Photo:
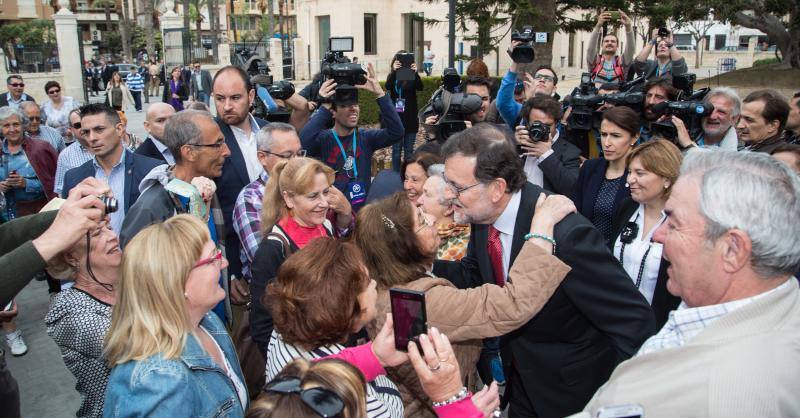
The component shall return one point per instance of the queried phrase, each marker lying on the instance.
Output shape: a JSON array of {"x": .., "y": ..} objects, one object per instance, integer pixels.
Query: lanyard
[
  {"x": 398, "y": 90},
  {"x": 344, "y": 154}
]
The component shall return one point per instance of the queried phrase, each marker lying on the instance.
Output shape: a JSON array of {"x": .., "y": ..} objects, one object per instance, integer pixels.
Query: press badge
[
  {"x": 356, "y": 192},
  {"x": 400, "y": 105}
]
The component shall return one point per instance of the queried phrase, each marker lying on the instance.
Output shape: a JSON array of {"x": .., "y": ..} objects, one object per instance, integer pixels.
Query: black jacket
[
  {"x": 663, "y": 301},
  {"x": 595, "y": 319},
  {"x": 149, "y": 149},
  {"x": 408, "y": 91},
  {"x": 4, "y": 98},
  {"x": 183, "y": 91},
  {"x": 586, "y": 189},
  {"x": 561, "y": 168}
]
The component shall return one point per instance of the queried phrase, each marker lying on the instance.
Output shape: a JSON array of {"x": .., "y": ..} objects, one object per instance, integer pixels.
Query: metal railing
[{"x": 33, "y": 59}]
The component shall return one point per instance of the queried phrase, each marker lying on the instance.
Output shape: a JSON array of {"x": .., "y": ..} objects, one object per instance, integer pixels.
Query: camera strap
[
  {"x": 446, "y": 98},
  {"x": 344, "y": 154}
]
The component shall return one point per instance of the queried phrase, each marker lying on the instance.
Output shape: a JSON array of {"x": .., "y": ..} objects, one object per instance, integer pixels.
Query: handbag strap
[{"x": 287, "y": 249}]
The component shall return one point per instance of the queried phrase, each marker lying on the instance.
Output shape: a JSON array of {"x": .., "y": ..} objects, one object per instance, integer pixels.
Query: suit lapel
[
  {"x": 237, "y": 158},
  {"x": 128, "y": 179},
  {"x": 481, "y": 234}
]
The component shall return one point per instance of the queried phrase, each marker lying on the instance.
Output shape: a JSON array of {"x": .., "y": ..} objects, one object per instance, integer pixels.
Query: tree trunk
[
  {"x": 270, "y": 18},
  {"x": 788, "y": 43},
  {"x": 198, "y": 24},
  {"x": 213, "y": 17},
  {"x": 125, "y": 29},
  {"x": 149, "y": 29},
  {"x": 544, "y": 21},
  {"x": 186, "y": 24}
]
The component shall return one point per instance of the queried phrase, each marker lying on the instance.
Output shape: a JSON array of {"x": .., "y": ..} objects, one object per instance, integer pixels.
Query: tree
[
  {"x": 195, "y": 12},
  {"x": 149, "y": 28},
  {"x": 779, "y": 19},
  {"x": 124, "y": 28},
  {"x": 697, "y": 19},
  {"x": 267, "y": 8}
]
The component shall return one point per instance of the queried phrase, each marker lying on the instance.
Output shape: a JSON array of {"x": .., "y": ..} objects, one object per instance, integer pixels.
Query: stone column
[
  {"x": 173, "y": 41},
  {"x": 68, "y": 45},
  {"x": 276, "y": 59},
  {"x": 300, "y": 60},
  {"x": 3, "y": 61}
]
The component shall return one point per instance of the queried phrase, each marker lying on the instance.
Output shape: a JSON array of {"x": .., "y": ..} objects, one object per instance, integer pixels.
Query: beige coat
[
  {"x": 469, "y": 315},
  {"x": 127, "y": 98}
]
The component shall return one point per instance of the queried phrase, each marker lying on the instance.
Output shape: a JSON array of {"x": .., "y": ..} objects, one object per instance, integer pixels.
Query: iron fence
[{"x": 32, "y": 58}]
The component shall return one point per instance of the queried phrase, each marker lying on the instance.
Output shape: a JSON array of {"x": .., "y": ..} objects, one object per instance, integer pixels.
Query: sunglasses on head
[{"x": 323, "y": 402}]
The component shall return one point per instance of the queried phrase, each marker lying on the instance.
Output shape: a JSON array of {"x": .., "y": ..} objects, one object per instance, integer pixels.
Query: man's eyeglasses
[
  {"x": 215, "y": 259},
  {"x": 544, "y": 77},
  {"x": 216, "y": 145},
  {"x": 16, "y": 84},
  {"x": 458, "y": 190},
  {"x": 76, "y": 125},
  {"x": 36, "y": 118},
  {"x": 288, "y": 155},
  {"x": 324, "y": 402},
  {"x": 54, "y": 91}
]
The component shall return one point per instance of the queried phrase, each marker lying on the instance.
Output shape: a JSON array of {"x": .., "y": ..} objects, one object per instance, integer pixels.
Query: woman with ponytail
[{"x": 299, "y": 206}]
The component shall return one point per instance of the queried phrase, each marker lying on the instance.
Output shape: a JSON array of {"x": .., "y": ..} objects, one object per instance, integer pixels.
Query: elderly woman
[
  {"x": 79, "y": 317},
  {"x": 399, "y": 242},
  {"x": 415, "y": 172},
  {"x": 321, "y": 296},
  {"x": 653, "y": 168},
  {"x": 299, "y": 206},
  {"x": 171, "y": 355},
  {"x": 601, "y": 182},
  {"x": 453, "y": 236},
  {"x": 55, "y": 110}
]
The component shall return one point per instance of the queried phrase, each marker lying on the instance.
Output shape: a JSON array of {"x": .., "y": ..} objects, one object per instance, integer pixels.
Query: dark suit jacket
[
  {"x": 149, "y": 149},
  {"x": 561, "y": 168},
  {"x": 205, "y": 79},
  {"x": 233, "y": 179},
  {"x": 590, "y": 179},
  {"x": 4, "y": 98},
  {"x": 107, "y": 72},
  {"x": 136, "y": 168},
  {"x": 595, "y": 319},
  {"x": 663, "y": 301}
]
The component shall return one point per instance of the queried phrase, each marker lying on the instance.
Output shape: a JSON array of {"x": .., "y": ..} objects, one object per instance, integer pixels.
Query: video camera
[
  {"x": 346, "y": 75},
  {"x": 585, "y": 101},
  {"x": 261, "y": 81},
  {"x": 689, "y": 107},
  {"x": 523, "y": 53},
  {"x": 452, "y": 106}
]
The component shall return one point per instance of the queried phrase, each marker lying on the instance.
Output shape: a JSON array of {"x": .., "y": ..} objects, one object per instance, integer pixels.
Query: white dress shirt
[
  {"x": 505, "y": 225},
  {"x": 532, "y": 170},
  {"x": 634, "y": 255},
  {"x": 247, "y": 143}
]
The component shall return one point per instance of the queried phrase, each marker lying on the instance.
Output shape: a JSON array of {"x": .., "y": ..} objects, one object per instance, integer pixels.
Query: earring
[
  {"x": 627, "y": 185},
  {"x": 186, "y": 295}
]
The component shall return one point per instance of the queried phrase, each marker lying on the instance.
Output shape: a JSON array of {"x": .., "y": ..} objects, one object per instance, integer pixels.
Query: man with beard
[
  {"x": 233, "y": 95},
  {"x": 764, "y": 116},
  {"x": 718, "y": 127},
  {"x": 607, "y": 66},
  {"x": 656, "y": 91},
  {"x": 347, "y": 148}
]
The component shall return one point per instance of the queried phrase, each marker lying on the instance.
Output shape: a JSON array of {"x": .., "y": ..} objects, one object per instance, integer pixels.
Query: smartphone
[
  {"x": 614, "y": 15},
  {"x": 12, "y": 173},
  {"x": 409, "y": 316},
  {"x": 621, "y": 411}
]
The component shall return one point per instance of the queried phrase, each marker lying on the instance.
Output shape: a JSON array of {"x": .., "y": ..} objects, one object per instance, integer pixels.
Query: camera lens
[{"x": 109, "y": 203}]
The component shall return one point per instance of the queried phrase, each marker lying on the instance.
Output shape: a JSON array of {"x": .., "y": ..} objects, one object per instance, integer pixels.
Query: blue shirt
[
  {"x": 506, "y": 105},
  {"x": 19, "y": 161},
  {"x": 116, "y": 181}
]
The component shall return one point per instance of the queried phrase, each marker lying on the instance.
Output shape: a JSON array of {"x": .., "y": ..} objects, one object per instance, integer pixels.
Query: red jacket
[{"x": 43, "y": 159}]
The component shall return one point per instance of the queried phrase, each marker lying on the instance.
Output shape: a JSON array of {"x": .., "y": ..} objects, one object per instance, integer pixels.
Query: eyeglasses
[
  {"x": 216, "y": 145},
  {"x": 215, "y": 259},
  {"x": 54, "y": 91},
  {"x": 36, "y": 118},
  {"x": 16, "y": 84},
  {"x": 288, "y": 155},
  {"x": 76, "y": 125},
  {"x": 544, "y": 77},
  {"x": 458, "y": 190},
  {"x": 324, "y": 402}
]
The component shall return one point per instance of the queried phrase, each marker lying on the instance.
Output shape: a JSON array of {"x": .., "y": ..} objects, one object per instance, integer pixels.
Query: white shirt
[
  {"x": 247, "y": 143},
  {"x": 198, "y": 80},
  {"x": 237, "y": 382},
  {"x": 729, "y": 142},
  {"x": 164, "y": 151},
  {"x": 634, "y": 253},
  {"x": 686, "y": 323},
  {"x": 532, "y": 170},
  {"x": 505, "y": 224}
]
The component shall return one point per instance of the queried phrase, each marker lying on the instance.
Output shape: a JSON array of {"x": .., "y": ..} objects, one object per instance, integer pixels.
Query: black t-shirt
[{"x": 408, "y": 91}]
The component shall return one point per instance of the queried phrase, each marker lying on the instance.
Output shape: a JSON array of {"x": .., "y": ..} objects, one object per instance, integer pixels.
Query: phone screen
[{"x": 408, "y": 314}]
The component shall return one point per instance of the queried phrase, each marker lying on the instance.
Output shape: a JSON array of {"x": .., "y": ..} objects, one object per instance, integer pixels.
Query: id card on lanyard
[
  {"x": 356, "y": 190},
  {"x": 400, "y": 104}
]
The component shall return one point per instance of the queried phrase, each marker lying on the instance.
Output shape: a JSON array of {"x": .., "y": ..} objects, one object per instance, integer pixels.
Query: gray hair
[
  {"x": 181, "y": 129},
  {"x": 755, "y": 193},
  {"x": 729, "y": 94},
  {"x": 8, "y": 111},
  {"x": 25, "y": 105},
  {"x": 264, "y": 138},
  {"x": 437, "y": 170}
]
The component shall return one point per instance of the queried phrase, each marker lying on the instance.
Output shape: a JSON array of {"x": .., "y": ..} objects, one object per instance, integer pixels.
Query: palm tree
[
  {"x": 149, "y": 28},
  {"x": 267, "y": 8},
  {"x": 198, "y": 18}
]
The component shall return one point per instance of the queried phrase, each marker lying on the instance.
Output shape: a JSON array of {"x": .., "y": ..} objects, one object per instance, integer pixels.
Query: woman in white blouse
[
  {"x": 56, "y": 109},
  {"x": 653, "y": 168}
]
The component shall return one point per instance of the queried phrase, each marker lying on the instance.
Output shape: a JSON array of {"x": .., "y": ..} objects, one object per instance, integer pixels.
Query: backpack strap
[{"x": 285, "y": 247}]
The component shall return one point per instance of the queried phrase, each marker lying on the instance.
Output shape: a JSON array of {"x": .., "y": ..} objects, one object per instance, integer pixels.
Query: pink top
[{"x": 365, "y": 360}]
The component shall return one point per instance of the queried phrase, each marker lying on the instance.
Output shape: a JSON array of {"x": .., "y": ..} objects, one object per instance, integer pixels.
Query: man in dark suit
[
  {"x": 200, "y": 84},
  {"x": 596, "y": 318},
  {"x": 155, "y": 120},
  {"x": 233, "y": 96},
  {"x": 106, "y": 71},
  {"x": 16, "y": 92},
  {"x": 551, "y": 161},
  {"x": 121, "y": 169}
]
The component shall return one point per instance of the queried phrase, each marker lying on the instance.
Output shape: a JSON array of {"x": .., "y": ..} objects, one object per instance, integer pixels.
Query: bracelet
[
  {"x": 461, "y": 395},
  {"x": 540, "y": 236}
]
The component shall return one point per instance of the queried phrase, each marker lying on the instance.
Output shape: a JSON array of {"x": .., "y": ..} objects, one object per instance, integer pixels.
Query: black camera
[
  {"x": 346, "y": 73},
  {"x": 109, "y": 203},
  {"x": 585, "y": 101},
  {"x": 537, "y": 132},
  {"x": 523, "y": 53},
  {"x": 454, "y": 113},
  {"x": 451, "y": 80},
  {"x": 281, "y": 90},
  {"x": 690, "y": 112},
  {"x": 663, "y": 32}
]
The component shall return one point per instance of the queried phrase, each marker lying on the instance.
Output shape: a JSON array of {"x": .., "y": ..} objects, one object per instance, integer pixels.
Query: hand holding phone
[{"x": 409, "y": 316}]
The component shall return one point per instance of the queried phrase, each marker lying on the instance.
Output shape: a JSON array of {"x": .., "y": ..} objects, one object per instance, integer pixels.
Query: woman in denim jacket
[{"x": 171, "y": 356}]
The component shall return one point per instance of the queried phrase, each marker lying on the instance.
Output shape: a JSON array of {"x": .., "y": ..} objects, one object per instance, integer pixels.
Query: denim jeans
[
  {"x": 203, "y": 97},
  {"x": 407, "y": 147}
]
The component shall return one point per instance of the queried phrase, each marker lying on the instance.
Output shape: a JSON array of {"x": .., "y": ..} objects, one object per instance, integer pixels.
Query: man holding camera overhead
[
  {"x": 607, "y": 66},
  {"x": 346, "y": 148},
  {"x": 668, "y": 60}
]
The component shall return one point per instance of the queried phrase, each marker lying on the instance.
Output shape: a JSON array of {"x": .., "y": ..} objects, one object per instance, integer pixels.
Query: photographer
[
  {"x": 656, "y": 91},
  {"x": 549, "y": 162},
  {"x": 346, "y": 148},
  {"x": 311, "y": 91},
  {"x": 404, "y": 97},
  {"x": 668, "y": 59},
  {"x": 542, "y": 83},
  {"x": 472, "y": 86},
  {"x": 607, "y": 66}
]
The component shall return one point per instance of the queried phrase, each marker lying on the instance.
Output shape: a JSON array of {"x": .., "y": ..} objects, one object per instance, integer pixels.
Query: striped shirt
[
  {"x": 383, "y": 398},
  {"x": 51, "y": 136},
  {"x": 72, "y": 156},
  {"x": 135, "y": 82}
]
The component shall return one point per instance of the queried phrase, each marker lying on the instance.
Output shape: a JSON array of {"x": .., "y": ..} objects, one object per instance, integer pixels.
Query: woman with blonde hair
[
  {"x": 299, "y": 205},
  {"x": 171, "y": 355}
]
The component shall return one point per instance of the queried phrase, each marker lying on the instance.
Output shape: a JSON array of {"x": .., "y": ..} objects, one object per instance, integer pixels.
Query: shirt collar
[
  {"x": 121, "y": 161},
  {"x": 253, "y": 126},
  {"x": 684, "y": 314},
  {"x": 505, "y": 223}
]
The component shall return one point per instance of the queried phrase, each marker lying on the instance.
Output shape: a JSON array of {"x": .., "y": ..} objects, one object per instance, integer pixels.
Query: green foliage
[
  {"x": 113, "y": 40},
  {"x": 140, "y": 39},
  {"x": 34, "y": 32},
  {"x": 765, "y": 61}
]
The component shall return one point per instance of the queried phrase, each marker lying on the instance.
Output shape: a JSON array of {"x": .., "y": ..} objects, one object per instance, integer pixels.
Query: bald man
[{"x": 155, "y": 120}]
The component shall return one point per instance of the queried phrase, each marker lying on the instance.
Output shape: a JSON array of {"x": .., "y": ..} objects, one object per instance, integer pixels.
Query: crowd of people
[{"x": 231, "y": 266}]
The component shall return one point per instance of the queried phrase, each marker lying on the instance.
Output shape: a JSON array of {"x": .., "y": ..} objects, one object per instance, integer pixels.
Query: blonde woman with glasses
[{"x": 172, "y": 356}]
